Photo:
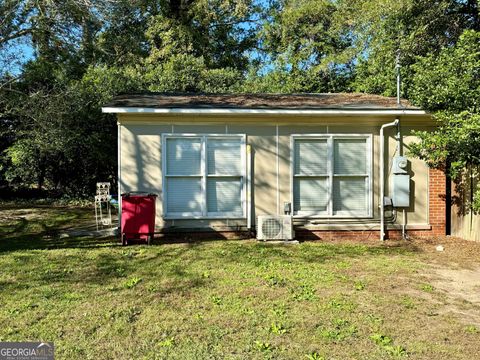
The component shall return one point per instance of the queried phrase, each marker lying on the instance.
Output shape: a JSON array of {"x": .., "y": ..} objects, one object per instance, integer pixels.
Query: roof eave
[{"x": 260, "y": 111}]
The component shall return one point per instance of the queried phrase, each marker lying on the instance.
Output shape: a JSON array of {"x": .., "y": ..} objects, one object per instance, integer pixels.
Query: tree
[
  {"x": 378, "y": 29},
  {"x": 449, "y": 85},
  {"x": 298, "y": 41}
]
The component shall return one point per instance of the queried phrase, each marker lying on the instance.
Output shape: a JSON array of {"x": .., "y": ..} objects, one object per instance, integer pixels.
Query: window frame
[
  {"x": 329, "y": 213},
  {"x": 204, "y": 175}
]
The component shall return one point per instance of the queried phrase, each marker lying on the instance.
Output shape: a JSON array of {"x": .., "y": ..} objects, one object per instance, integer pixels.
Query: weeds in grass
[
  {"x": 314, "y": 356},
  {"x": 127, "y": 315},
  {"x": 132, "y": 282},
  {"x": 279, "y": 310},
  {"x": 472, "y": 329},
  {"x": 217, "y": 300},
  {"x": 263, "y": 346},
  {"x": 304, "y": 292},
  {"x": 341, "y": 303},
  {"x": 340, "y": 330},
  {"x": 167, "y": 343},
  {"x": 360, "y": 285},
  {"x": 71, "y": 296},
  {"x": 277, "y": 328},
  {"x": 152, "y": 288},
  {"x": 386, "y": 343},
  {"x": 275, "y": 280},
  {"x": 408, "y": 302},
  {"x": 427, "y": 288}
]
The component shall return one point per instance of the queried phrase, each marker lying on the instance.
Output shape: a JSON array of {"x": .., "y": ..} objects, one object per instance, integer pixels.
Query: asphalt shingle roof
[{"x": 344, "y": 101}]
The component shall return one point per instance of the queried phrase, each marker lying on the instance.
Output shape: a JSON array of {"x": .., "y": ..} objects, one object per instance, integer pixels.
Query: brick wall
[{"x": 437, "y": 203}]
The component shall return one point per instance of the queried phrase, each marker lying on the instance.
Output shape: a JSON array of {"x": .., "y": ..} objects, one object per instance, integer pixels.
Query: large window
[
  {"x": 204, "y": 176},
  {"x": 332, "y": 175}
]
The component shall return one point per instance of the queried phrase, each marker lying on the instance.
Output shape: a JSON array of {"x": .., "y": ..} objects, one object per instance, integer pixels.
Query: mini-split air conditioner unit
[{"x": 275, "y": 227}]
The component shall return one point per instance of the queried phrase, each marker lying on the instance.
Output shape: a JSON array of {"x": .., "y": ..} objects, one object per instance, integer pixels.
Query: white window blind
[
  {"x": 311, "y": 195},
  {"x": 332, "y": 175},
  {"x": 183, "y": 156},
  {"x": 349, "y": 196},
  {"x": 223, "y": 157},
  {"x": 204, "y": 175},
  {"x": 310, "y": 157},
  {"x": 224, "y": 195},
  {"x": 310, "y": 186},
  {"x": 350, "y": 156},
  {"x": 184, "y": 195}
]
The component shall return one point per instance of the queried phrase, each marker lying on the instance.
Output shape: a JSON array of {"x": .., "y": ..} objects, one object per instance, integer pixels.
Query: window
[
  {"x": 332, "y": 175},
  {"x": 204, "y": 176}
]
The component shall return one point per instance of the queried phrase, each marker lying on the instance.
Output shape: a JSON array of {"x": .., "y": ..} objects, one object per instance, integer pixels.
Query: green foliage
[
  {"x": 339, "y": 330},
  {"x": 472, "y": 329},
  {"x": 132, "y": 282},
  {"x": 450, "y": 80},
  {"x": 378, "y": 29},
  {"x": 448, "y": 84},
  {"x": 386, "y": 343},
  {"x": 314, "y": 356},
  {"x": 186, "y": 73},
  {"x": 427, "y": 288},
  {"x": 277, "y": 329},
  {"x": 263, "y": 346},
  {"x": 301, "y": 43},
  {"x": 304, "y": 292}
]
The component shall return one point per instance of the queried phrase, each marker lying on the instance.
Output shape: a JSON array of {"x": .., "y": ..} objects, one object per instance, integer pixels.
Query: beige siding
[{"x": 142, "y": 170}]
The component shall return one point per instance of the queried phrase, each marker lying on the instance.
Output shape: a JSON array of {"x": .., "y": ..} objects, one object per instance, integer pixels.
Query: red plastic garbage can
[{"x": 138, "y": 217}]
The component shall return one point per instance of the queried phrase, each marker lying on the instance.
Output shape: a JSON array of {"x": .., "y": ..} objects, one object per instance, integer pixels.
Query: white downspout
[
  {"x": 249, "y": 187},
  {"x": 382, "y": 177},
  {"x": 119, "y": 178}
]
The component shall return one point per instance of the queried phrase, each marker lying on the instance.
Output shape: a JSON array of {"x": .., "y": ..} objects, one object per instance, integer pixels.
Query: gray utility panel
[{"x": 400, "y": 182}]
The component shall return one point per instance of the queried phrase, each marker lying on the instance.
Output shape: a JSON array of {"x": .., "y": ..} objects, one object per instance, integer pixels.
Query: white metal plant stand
[{"x": 103, "y": 211}]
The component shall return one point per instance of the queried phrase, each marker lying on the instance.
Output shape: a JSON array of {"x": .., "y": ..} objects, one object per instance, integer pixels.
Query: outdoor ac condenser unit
[{"x": 275, "y": 227}]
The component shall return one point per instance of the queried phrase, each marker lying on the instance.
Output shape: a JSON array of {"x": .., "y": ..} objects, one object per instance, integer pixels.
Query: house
[{"x": 217, "y": 162}]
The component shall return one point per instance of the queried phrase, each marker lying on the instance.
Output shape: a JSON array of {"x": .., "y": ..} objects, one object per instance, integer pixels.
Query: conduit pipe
[{"x": 382, "y": 177}]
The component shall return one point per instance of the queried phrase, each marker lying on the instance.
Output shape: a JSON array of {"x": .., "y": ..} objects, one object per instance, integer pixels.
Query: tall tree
[
  {"x": 299, "y": 41},
  {"x": 379, "y": 29},
  {"x": 448, "y": 84}
]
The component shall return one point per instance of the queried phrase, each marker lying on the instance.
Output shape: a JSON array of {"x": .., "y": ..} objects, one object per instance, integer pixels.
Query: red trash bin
[{"x": 138, "y": 217}]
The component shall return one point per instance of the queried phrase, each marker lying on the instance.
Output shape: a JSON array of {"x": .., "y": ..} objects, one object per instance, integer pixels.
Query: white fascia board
[{"x": 222, "y": 111}]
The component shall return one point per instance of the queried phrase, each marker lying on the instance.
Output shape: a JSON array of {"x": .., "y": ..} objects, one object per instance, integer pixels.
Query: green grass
[{"x": 217, "y": 300}]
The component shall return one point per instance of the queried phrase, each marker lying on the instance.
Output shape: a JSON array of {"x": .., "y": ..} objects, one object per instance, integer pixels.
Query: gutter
[{"x": 226, "y": 111}]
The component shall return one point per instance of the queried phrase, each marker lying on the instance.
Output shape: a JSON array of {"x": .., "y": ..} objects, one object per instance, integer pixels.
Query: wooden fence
[{"x": 465, "y": 223}]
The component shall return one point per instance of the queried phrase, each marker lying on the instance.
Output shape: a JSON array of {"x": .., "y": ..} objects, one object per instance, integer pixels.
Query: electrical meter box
[
  {"x": 400, "y": 182},
  {"x": 400, "y": 164}
]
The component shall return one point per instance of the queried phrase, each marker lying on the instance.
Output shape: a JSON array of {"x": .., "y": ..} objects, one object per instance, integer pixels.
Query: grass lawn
[{"x": 230, "y": 299}]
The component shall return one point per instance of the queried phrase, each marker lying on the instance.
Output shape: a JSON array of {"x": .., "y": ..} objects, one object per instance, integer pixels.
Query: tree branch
[{"x": 15, "y": 35}]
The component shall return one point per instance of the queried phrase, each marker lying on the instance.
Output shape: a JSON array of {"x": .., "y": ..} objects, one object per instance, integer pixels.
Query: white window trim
[
  {"x": 330, "y": 174},
  {"x": 204, "y": 215}
]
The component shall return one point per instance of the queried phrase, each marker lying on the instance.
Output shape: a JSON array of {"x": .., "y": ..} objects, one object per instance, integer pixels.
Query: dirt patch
[
  {"x": 456, "y": 291},
  {"x": 460, "y": 283}
]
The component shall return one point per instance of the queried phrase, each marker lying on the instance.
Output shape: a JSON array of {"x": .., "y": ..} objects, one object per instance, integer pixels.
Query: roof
[{"x": 340, "y": 101}]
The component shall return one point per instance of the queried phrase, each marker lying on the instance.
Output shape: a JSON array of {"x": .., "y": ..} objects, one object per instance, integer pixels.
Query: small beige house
[{"x": 218, "y": 162}]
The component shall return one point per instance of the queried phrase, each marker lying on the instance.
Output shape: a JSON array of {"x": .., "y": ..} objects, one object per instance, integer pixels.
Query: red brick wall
[{"x": 437, "y": 203}]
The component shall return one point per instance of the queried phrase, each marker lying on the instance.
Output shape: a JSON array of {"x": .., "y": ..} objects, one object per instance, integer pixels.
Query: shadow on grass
[{"x": 42, "y": 228}]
